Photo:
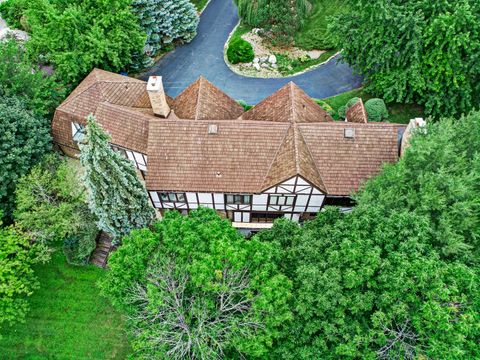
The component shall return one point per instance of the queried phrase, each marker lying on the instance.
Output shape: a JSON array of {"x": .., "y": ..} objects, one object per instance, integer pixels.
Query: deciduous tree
[
  {"x": 195, "y": 288},
  {"x": 415, "y": 51}
]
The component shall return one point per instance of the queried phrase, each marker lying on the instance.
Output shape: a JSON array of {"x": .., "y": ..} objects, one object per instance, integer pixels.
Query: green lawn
[
  {"x": 313, "y": 33},
  {"x": 68, "y": 319},
  {"x": 398, "y": 113},
  {"x": 200, "y": 4}
]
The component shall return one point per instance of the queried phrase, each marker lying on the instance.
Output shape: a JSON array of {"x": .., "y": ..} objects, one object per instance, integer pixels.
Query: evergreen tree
[
  {"x": 165, "y": 21},
  {"x": 116, "y": 195},
  {"x": 24, "y": 139}
]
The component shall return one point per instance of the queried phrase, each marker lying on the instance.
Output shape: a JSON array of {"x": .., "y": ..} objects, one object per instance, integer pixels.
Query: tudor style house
[{"x": 285, "y": 157}]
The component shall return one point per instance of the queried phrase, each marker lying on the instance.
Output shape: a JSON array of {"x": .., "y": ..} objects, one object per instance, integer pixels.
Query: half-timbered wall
[{"x": 289, "y": 199}]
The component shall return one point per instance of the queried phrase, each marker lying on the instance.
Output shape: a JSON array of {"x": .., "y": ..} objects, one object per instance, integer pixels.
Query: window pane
[
  {"x": 181, "y": 197},
  {"x": 164, "y": 196},
  {"x": 229, "y": 199},
  {"x": 289, "y": 200},
  {"x": 172, "y": 197},
  {"x": 246, "y": 199}
]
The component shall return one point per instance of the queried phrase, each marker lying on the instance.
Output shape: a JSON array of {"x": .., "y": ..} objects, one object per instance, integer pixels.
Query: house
[{"x": 285, "y": 157}]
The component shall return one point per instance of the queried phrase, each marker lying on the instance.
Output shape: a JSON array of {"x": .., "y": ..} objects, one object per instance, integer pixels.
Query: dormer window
[{"x": 78, "y": 132}]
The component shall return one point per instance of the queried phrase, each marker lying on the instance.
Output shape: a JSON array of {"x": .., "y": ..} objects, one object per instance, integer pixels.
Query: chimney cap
[{"x": 155, "y": 83}]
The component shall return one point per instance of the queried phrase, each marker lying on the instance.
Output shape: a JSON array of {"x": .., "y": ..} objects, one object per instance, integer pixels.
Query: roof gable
[
  {"x": 204, "y": 101},
  {"x": 289, "y": 104},
  {"x": 357, "y": 113}
]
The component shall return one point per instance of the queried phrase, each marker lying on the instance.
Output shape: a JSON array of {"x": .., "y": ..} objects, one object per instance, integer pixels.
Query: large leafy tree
[
  {"x": 76, "y": 36},
  {"x": 115, "y": 194},
  {"x": 165, "y": 22},
  {"x": 17, "y": 256},
  {"x": 51, "y": 208},
  {"x": 24, "y": 139},
  {"x": 195, "y": 289},
  {"x": 398, "y": 276},
  {"x": 416, "y": 51},
  {"x": 19, "y": 77}
]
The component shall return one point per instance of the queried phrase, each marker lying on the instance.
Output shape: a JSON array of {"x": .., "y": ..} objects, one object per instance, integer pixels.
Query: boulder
[
  {"x": 265, "y": 65},
  {"x": 256, "y": 60},
  {"x": 272, "y": 59},
  {"x": 256, "y": 66},
  {"x": 264, "y": 59}
]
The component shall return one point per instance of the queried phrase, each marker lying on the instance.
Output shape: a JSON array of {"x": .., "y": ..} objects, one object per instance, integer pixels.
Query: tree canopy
[
  {"x": 24, "y": 139},
  {"x": 76, "y": 36},
  {"x": 165, "y": 22},
  {"x": 51, "y": 208},
  {"x": 19, "y": 77},
  {"x": 194, "y": 288},
  {"x": 115, "y": 194},
  {"x": 398, "y": 276},
  {"x": 17, "y": 256},
  {"x": 415, "y": 51}
]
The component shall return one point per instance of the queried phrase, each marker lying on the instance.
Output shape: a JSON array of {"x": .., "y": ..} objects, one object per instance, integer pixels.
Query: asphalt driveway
[{"x": 204, "y": 56}]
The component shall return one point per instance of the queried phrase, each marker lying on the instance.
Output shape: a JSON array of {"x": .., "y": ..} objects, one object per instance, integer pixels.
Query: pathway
[{"x": 204, "y": 56}]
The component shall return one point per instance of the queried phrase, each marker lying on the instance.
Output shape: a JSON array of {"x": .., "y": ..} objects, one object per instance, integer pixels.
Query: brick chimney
[
  {"x": 158, "y": 100},
  {"x": 414, "y": 124}
]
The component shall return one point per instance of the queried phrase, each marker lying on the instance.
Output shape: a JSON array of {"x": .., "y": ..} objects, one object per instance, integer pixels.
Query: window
[
  {"x": 264, "y": 217},
  {"x": 119, "y": 150},
  {"x": 78, "y": 132},
  {"x": 281, "y": 200},
  {"x": 343, "y": 201},
  {"x": 173, "y": 197},
  {"x": 238, "y": 199}
]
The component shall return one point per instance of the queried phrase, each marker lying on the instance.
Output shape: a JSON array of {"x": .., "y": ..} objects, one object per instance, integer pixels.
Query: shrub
[
  {"x": 342, "y": 111},
  {"x": 12, "y": 11},
  {"x": 352, "y": 102},
  {"x": 376, "y": 110},
  {"x": 240, "y": 51},
  {"x": 245, "y": 106}
]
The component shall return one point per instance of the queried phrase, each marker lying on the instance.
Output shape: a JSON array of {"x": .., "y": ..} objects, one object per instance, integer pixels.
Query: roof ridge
[
  {"x": 199, "y": 92},
  {"x": 309, "y": 153},
  {"x": 275, "y": 156},
  {"x": 68, "y": 101},
  {"x": 292, "y": 103},
  {"x": 295, "y": 147}
]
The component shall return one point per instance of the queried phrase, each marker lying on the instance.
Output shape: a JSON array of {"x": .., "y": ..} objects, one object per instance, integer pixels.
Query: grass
[
  {"x": 288, "y": 66},
  {"x": 313, "y": 34},
  {"x": 398, "y": 113},
  {"x": 199, "y": 4},
  {"x": 68, "y": 319}
]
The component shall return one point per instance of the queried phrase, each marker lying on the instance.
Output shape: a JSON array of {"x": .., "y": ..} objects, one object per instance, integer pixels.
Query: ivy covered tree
[
  {"x": 397, "y": 278},
  {"x": 24, "y": 139},
  {"x": 115, "y": 194},
  {"x": 18, "y": 281},
  {"x": 193, "y": 288},
  {"x": 165, "y": 22},
  {"x": 415, "y": 51}
]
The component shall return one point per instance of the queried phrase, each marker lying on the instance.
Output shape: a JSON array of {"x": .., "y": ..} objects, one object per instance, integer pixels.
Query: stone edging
[{"x": 225, "y": 59}]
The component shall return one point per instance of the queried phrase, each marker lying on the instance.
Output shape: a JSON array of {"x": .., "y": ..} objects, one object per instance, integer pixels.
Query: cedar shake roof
[
  {"x": 357, "y": 113},
  {"x": 202, "y": 101},
  {"x": 183, "y": 156},
  {"x": 285, "y": 135},
  {"x": 289, "y": 104}
]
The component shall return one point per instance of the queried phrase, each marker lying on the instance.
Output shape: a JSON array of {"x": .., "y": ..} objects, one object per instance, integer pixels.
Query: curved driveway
[{"x": 204, "y": 56}]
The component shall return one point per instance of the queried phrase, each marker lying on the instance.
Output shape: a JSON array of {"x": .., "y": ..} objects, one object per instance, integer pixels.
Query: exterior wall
[{"x": 302, "y": 198}]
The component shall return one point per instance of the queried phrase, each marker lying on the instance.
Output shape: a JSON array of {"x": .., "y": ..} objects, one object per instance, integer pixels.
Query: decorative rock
[
  {"x": 256, "y": 60},
  {"x": 274, "y": 66},
  {"x": 256, "y": 66},
  {"x": 272, "y": 59},
  {"x": 265, "y": 65},
  {"x": 248, "y": 64},
  {"x": 264, "y": 59}
]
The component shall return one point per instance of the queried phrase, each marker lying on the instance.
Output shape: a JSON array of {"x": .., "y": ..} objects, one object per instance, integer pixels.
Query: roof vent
[
  {"x": 218, "y": 174},
  {"x": 349, "y": 133},
  {"x": 212, "y": 129}
]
